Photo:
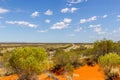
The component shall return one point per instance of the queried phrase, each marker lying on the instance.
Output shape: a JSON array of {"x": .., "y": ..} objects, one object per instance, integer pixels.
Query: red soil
[
  {"x": 12, "y": 77},
  {"x": 89, "y": 73},
  {"x": 82, "y": 73}
]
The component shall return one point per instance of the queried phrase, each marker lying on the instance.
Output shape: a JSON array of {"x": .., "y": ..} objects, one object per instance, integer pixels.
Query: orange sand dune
[
  {"x": 89, "y": 73},
  {"x": 82, "y": 73}
]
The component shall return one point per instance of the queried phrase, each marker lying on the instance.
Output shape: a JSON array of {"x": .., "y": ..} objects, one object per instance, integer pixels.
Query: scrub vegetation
[{"x": 30, "y": 61}]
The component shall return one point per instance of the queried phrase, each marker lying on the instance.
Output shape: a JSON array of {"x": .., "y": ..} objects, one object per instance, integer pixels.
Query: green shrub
[
  {"x": 29, "y": 61},
  {"x": 62, "y": 58},
  {"x": 109, "y": 62},
  {"x": 102, "y": 47}
]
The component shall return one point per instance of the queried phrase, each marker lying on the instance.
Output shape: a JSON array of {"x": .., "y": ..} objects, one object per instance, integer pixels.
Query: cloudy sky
[{"x": 59, "y": 20}]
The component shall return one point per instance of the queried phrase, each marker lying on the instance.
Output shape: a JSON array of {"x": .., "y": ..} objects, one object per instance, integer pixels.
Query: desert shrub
[
  {"x": 3, "y": 64},
  {"x": 5, "y": 57},
  {"x": 117, "y": 47},
  {"x": 110, "y": 62},
  {"x": 62, "y": 59},
  {"x": 28, "y": 62},
  {"x": 69, "y": 68},
  {"x": 103, "y": 47}
]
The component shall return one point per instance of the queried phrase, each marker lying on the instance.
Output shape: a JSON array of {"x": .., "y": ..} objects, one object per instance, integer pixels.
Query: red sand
[
  {"x": 12, "y": 77},
  {"x": 89, "y": 73},
  {"x": 82, "y": 73}
]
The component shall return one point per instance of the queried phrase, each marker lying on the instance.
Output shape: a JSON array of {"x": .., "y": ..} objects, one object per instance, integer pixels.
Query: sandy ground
[
  {"x": 82, "y": 73},
  {"x": 89, "y": 73}
]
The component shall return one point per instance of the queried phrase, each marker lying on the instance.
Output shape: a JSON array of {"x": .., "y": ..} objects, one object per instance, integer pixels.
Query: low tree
[
  {"x": 62, "y": 58},
  {"x": 117, "y": 47},
  {"x": 102, "y": 47},
  {"x": 65, "y": 61},
  {"x": 118, "y": 51},
  {"x": 28, "y": 62},
  {"x": 109, "y": 62}
]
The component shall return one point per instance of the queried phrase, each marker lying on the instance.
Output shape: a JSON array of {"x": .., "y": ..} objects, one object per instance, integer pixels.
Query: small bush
[
  {"x": 109, "y": 62},
  {"x": 28, "y": 62}
]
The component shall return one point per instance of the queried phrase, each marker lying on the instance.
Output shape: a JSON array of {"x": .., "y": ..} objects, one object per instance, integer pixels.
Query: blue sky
[{"x": 59, "y": 20}]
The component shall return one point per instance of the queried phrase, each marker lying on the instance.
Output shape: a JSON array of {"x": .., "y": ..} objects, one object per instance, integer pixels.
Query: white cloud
[
  {"x": 78, "y": 29},
  {"x": 73, "y": 9},
  {"x": 67, "y": 20},
  {"x": 22, "y": 23},
  {"x": 97, "y": 28},
  {"x": 63, "y": 24},
  {"x": 2, "y": 10},
  {"x": 92, "y": 18},
  {"x": 105, "y": 16},
  {"x": 83, "y": 21},
  {"x": 42, "y": 31},
  {"x": 88, "y": 20},
  {"x": 47, "y": 21},
  {"x": 59, "y": 25},
  {"x": 35, "y": 14},
  {"x": 76, "y": 1},
  {"x": 49, "y": 12},
  {"x": 65, "y": 10},
  {"x": 118, "y": 17},
  {"x": 94, "y": 26},
  {"x": 69, "y": 10}
]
